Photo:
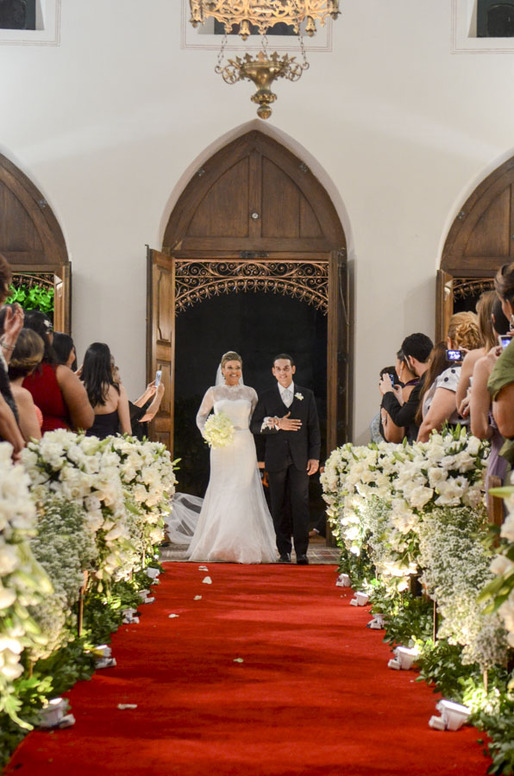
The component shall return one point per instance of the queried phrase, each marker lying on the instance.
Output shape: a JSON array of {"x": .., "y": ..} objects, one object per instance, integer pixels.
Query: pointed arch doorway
[
  {"x": 479, "y": 242},
  {"x": 253, "y": 258},
  {"x": 32, "y": 241}
]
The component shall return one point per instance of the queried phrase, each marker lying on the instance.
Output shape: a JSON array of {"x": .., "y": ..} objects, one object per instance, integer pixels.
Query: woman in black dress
[{"x": 109, "y": 401}]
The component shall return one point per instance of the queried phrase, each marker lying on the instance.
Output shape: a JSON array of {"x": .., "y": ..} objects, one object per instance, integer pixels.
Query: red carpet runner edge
[{"x": 268, "y": 671}]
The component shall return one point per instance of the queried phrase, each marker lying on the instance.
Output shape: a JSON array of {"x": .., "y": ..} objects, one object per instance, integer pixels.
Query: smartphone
[
  {"x": 504, "y": 340},
  {"x": 454, "y": 355},
  {"x": 393, "y": 377},
  {"x": 158, "y": 376}
]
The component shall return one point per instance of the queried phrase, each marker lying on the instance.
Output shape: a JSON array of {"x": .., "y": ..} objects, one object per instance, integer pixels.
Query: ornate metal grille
[
  {"x": 464, "y": 287},
  {"x": 196, "y": 280}
]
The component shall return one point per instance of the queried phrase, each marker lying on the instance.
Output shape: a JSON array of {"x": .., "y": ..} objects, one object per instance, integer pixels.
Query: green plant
[{"x": 33, "y": 297}]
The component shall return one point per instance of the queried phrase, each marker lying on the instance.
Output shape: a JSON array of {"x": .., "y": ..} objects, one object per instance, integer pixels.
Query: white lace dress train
[{"x": 235, "y": 524}]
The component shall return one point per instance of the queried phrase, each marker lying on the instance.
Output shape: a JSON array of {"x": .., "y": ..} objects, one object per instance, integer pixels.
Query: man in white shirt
[{"x": 287, "y": 416}]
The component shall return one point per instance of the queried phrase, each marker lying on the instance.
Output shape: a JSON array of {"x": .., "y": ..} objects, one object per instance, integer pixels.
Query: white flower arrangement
[
  {"x": 299, "y": 396},
  {"x": 501, "y": 590},
  {"x": 218, "y": 430},
  {"x": 391, "y": 501},
  {"x": 22, "y": 581}
]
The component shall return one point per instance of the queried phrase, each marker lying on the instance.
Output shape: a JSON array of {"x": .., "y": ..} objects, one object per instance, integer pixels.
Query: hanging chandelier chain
[
  {"x": 221, "y": 55},
  {"x": 264, "y": 68}
]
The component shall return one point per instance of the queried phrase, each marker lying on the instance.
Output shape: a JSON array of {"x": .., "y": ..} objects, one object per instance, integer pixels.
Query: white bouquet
[{"x": 218, "y": 430}]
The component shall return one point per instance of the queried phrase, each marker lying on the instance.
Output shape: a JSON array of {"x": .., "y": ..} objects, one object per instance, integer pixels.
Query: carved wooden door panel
[
  {"x": 161, "y": 339},
  {"x": 62, "y": 298},
  {"x": 444, "y": 303}
]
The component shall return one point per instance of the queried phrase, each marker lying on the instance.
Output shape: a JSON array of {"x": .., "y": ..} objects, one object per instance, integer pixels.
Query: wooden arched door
[
  {"x": 254, "y": 218},
  {"x": 479, "y": 242},
  {"x": 31, "y": 238}
]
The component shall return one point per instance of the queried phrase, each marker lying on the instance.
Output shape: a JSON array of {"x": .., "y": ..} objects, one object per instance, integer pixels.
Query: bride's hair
[{"x": 230, "y": 356}]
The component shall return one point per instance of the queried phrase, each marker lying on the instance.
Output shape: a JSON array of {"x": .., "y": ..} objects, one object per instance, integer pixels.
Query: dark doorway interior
[{"x": 258, "y": 326}]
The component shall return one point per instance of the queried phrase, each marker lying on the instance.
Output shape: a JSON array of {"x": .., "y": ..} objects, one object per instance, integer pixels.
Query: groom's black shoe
[
  {"x": 302, "y": 560},
  {"x": 285, "y": 558}
]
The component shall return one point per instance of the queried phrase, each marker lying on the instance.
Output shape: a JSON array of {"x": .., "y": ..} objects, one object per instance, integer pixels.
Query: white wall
[{"x": 399, "y": 129}]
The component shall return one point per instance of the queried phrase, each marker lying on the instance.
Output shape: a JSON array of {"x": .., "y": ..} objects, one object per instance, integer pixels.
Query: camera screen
[
  {"x": 454, "y": 355},
  {"x": 505, "y": 340}
]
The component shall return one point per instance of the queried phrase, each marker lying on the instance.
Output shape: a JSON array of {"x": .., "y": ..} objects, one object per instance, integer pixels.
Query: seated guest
[
  {"x": 488, "y": 338},
  {"x": 64, "y": 349},
  {"x": 56, "y": 390},
  {"x": 26, "y": 356},
  {"x": 109, "y": 401},
  {"x": 405, "y": 384},
  {"x": 441, "y": 407},
  {"x": 501, "y": 381},
  {"x": 416, "y": 350}
]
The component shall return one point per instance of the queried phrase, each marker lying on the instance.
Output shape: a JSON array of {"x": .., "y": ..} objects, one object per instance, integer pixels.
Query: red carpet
[{"x": 312, "y": 696}]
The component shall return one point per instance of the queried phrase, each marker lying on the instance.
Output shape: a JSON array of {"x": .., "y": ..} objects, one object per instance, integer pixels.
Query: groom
[{"x": 286, "y": 414}]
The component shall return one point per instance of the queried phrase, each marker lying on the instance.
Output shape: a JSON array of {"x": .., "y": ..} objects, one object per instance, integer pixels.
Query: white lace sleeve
[
  {"x": 205, "y": 409},
  {"x": 253, "y": 398}
]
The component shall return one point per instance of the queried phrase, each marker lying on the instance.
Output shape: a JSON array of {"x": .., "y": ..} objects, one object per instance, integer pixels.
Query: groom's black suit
[{"x": 286, "y": 456}]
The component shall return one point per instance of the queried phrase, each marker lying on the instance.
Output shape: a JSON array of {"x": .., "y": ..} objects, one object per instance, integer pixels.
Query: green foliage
[
  {"x": 33, "y": 297},
  {"x": 73, "y": 662},
  {"x": 499, "y": 724},
  {"x": 440, "y": 663},
  {"x": 409, "y": 618},
  {"x": 358, "y": 567}
]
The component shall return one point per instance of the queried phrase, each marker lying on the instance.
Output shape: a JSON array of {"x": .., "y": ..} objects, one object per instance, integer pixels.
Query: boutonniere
[{"x": 299, "y": 396}]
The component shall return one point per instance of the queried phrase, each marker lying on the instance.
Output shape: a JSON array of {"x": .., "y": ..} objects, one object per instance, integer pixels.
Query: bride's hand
[{"x": 289, "y": 424}]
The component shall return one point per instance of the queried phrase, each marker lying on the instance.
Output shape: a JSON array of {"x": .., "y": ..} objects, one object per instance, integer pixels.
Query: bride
[{"x": 234, "y": 524}]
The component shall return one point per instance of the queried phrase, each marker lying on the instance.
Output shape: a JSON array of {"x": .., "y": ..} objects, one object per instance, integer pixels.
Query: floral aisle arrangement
[
  {"x": 80, "y": 517},
  {"x": 218, "y": 430},
  {"x": 377, "y": 495},
  {"x": 23, "y": 583},
  {"x": 412, "y": 525},
  {"x": 499, "y": 720}
]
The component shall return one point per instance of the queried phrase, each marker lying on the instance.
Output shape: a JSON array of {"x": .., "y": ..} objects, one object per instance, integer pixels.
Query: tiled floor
[{"x": 318, "y": 553}]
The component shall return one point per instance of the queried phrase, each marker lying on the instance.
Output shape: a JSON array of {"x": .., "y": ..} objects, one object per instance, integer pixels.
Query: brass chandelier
[{"x": 263, "y": 69}]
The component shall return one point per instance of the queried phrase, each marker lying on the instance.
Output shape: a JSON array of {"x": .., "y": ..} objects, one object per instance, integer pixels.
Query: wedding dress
[{"x": 234, "y": 524}]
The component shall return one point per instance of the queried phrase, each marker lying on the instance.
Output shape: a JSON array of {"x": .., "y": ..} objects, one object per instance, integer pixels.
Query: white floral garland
[
  {"x": 22, "y": 581},
  {"x": 503, "y": 565},
  {"x": 392, "y": 500}
]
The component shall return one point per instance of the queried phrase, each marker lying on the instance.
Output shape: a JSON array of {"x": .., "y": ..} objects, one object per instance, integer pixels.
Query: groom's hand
[
  {"x": 289, "y": 424},
  {"x": 312, "y": 466}
]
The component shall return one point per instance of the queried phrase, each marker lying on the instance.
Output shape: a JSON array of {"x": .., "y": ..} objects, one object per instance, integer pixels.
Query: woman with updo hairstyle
[
  {"x": 234, "y": 524},
  {"x": 440, "y": 402},
  {"x": 56, "y": 390},
  {"x": 108, "y": 399},
  {"x": 501, "y": 381},
  {"x": 26, "y": 356}
]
